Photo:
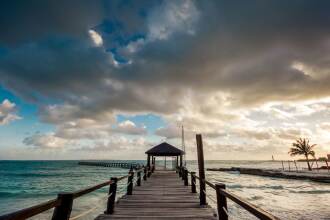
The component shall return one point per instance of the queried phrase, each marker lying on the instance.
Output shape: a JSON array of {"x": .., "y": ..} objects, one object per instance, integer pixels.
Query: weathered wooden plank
[
  {"x": 122, "y": 201},
  {"x": 182, "y": 217},
  {"x": 163, "y": 196}
]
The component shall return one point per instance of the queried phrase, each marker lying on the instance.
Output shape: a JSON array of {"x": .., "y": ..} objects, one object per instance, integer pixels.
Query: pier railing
[
  {"x": 221, "y": 196},
  {"x": 63, "y": 203}
]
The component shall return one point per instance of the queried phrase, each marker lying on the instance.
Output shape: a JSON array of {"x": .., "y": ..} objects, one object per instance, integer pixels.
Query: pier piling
[
  {"x": 112, "y": 196},
  {"x": 63, "y": 211},
  {"x": 200, "y": 155}
]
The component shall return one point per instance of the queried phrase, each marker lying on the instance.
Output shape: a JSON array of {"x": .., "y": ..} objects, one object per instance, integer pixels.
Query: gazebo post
[
  {"x": 177, "y": 162},
  {"x": 180, "y": 160},
  {"x": 148, "y": 161},
  {"x": 154, "y": 162}
]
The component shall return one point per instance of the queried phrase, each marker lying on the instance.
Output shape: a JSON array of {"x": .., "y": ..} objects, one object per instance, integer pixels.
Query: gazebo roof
[{"x": 164, "y": 149}]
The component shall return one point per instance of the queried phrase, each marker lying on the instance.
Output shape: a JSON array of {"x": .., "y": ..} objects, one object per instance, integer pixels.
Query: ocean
[{"x": 26, "y": 183}]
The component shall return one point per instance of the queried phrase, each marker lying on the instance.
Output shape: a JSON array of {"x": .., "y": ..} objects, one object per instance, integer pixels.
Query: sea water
[{"x": 26, "y": 183}]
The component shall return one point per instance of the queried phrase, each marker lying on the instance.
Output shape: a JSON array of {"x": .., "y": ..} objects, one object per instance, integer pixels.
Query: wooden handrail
[
  {"x": 31, "y": 211},
  {"x": 42, "y": 207},
  {"x": 90, "y": 189},
  {"x": 254, "y": 210}
]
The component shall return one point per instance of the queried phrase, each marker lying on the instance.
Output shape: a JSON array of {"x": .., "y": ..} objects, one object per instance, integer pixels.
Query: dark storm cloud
[
  {"x": 246, "y": 49},
  {"x": 53, "y": 68},
  {"x": 25, "y": 21}
]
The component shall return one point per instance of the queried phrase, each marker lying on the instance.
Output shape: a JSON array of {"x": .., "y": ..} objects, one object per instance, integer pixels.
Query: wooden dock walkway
[{"x": 162, "y": 196}]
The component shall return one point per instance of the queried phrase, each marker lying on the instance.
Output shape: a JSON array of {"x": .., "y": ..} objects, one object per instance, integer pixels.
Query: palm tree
[{"x": 302, "y": 147}]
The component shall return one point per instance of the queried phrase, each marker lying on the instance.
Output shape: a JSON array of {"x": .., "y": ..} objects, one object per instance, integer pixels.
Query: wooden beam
[
  {"x": 200, "y": 156},
  {"x": 148, "y": 161}
]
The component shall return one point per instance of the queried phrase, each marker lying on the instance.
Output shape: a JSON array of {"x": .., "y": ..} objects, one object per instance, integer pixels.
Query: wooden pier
[
  {"x": 111, "y": 164},
  {"x": 162, "y": 196}
]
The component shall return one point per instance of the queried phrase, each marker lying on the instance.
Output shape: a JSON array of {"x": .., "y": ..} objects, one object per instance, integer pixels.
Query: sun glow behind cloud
[{"x": 96, "y": 38}]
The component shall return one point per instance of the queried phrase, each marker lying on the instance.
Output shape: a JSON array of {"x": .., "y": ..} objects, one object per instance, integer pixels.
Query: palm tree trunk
[{"x": 309, "y": 166}]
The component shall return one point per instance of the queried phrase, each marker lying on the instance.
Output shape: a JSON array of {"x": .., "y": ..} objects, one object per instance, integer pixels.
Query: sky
[{"x": 101, "y": 79}]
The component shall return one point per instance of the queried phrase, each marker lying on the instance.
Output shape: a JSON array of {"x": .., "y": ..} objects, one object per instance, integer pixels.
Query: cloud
[
  {"x": 117, "y": 143},
  {"x": 30, "y": 21},
  {"x": 217, "y": 58},
  {"x": 259, "y": 134},
  {"x": 96, "y": 38},
  {"x": 210, "y": 65},
  {"x": 47, "y": 141},
  {"x": 325, "y": 126},
  {"x": 129, "y": 127},
  {"x": 8, "y": 112},
  {"x": 83, "y": 129},
  {"x": 169, "y": 132},
  {"x": 172, "y": 17},
  {"x": 293, "y": 134}
]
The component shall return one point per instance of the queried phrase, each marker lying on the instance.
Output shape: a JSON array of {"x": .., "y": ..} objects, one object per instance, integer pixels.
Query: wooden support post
[
  {"x": 193, "y": 182},
  {"x": 180, "y": 160},
  {"x": 200, "y": 155},
  {"x": 182, "y": 173},
  {"x": 148, "y": 161},
  {"x": 317, "y": 165},
  {"x": 138, "y": 181},
  {"x": 185, "y": 177},
  {"x": 326, "y": 162},
  {"x": 149, "y": 172},
  {"x": 295, "y": 163},
  {"x": 221, "y": 202},
  {"x": 63, "y": 211},
  {"x": 177, "y": 164},
  {"x": 154, "y": 163},
  {"x": 130, "y": 183},
  {"x": 145, "y": 174},
  {"x": 112, "y": 197}
]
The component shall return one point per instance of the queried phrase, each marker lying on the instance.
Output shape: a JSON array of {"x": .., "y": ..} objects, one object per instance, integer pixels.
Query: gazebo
[{"x": 164, "y": 150}]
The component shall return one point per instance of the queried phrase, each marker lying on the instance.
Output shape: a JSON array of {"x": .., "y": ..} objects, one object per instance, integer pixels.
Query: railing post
[
  {"x": 145, "y": 174},
  {"x": 130, "y": 183},
  {"x": 185, "y": 176},
  {"x": 149, "y": 172},
  {"x": 193, "y": 182},
  {"x": 200, "y": 155},
  {"x": 112, "y": 196},
  {"x": 63, "y": 211},
  {"x": 221, "y": 202},
  {"x": 182, "y": 172},
  {"x": 138, "y": 181}
]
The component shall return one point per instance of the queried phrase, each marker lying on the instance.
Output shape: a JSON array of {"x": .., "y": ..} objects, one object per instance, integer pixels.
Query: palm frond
[{"x": 302, "y": 147}]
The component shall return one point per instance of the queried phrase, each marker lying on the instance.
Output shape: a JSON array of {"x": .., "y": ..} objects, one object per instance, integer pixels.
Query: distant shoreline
[{"x": 317, "y": 177}]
